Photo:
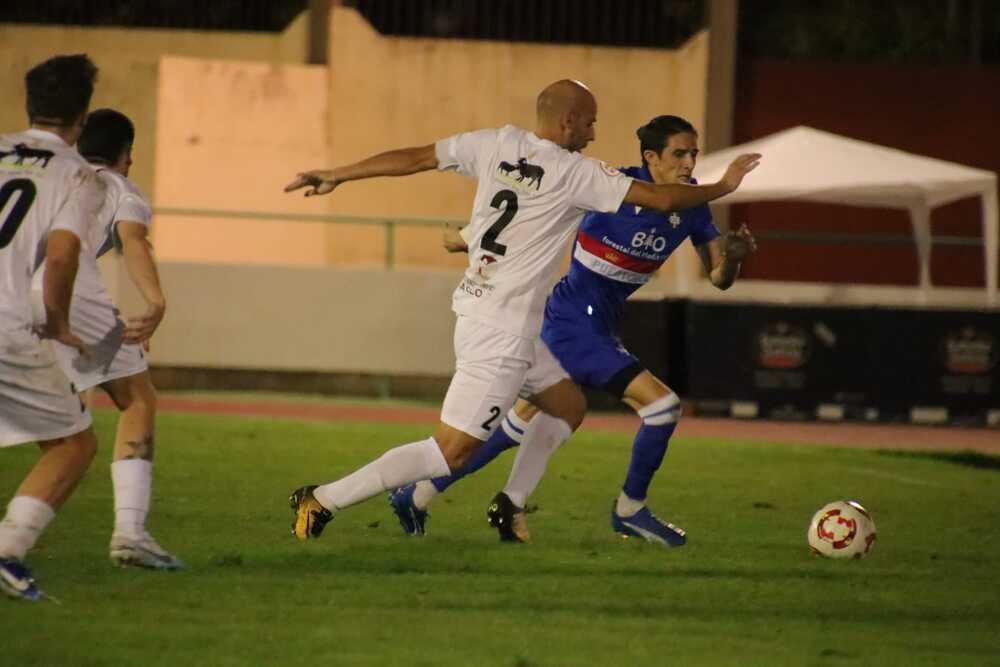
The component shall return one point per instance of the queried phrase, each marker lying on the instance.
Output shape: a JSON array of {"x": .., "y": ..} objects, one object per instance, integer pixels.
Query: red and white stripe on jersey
[{"x": 605, "y": 260}]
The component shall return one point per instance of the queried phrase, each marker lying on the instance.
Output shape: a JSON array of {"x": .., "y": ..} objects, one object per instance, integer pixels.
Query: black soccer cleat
[{"x": 507, "y": 518}]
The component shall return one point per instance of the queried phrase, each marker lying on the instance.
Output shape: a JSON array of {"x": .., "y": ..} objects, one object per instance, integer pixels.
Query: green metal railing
[{"x": 388, "y": 224}]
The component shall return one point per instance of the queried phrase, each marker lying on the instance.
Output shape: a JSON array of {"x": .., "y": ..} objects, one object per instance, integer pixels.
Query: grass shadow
[{"x": 969, "y": 458}]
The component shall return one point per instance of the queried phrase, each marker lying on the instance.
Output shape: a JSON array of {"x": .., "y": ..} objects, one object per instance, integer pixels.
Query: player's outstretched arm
[
  {"x": 676, "y": 197},
  {"x": 62, "y": 258},
  {"x": 141, "y": 268},
  {"x": 400, "y": 162},
  {"x": 723, "y": 256}
]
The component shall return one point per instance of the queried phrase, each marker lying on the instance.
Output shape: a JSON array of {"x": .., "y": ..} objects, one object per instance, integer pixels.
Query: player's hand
[
  {"x": 452, "y": 239},
  {"x": 140, "y": 329},
  {"x": 739, "y": 168},
  {"x": 64, "y": 336},
  {"x": 319, "y": 182},
  {"x": 740, "y": 244}
]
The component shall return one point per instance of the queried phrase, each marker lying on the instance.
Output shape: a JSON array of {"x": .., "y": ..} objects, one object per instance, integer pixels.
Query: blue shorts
[{"x": 591, "y": 358}]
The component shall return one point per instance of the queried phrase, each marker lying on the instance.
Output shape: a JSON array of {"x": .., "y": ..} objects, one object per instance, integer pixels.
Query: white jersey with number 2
[{"x": 530, "y": 199}]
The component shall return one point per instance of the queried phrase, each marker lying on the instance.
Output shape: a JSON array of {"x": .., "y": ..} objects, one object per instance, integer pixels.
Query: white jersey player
[
  {"x": 116, "y": 362},
  {"x": 49, "y": 197},
  {"x": 533, "y": 190}
]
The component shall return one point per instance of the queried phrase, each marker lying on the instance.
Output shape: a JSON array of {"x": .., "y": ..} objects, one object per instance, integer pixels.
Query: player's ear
[{"x": 650, "y": 156}]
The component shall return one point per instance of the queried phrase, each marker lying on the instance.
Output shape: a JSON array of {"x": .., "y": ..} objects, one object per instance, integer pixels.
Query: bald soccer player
[{"x": 533, "y": 190}]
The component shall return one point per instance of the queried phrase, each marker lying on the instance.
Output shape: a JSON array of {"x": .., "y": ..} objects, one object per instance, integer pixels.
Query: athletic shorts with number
[
  {"x": 492, "y": 368},
  {"x": 37, "y": 401},
  {"x": 98, "y": 324}
]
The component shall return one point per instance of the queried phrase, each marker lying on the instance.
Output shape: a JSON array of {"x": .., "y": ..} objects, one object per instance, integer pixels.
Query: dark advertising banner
[{"x": 867, "y": 363}]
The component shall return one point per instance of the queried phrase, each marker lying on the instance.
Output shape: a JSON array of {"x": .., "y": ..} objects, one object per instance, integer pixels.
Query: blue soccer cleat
[
  {"x": 644, "y": 524},
  {"x": 411, "y": 518},
  {"x": 16, "y": 580}
]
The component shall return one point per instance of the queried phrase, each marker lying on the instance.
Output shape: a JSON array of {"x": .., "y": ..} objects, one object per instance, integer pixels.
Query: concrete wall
[
  {"x": 234, "y": 117},
  {"x": 304, "y": 319},
  {"x": 262, "y": 123},
  {"x": 128, "y": 62}
]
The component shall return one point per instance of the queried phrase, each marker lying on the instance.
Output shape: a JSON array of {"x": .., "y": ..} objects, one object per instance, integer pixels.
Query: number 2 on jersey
[
  {"x": 26, "y": 191},
  {"x": 507, "y": 198}
]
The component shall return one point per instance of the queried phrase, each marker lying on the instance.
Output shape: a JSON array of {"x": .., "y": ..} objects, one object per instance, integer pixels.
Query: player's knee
[
  {"x": 576, "y": 410},
  {"x": 661, "y": 412}
]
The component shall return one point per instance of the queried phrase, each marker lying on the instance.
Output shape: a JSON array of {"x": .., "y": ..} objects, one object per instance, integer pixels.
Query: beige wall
[
  {"x": 389, "y": 92},
  {"x": 261, "y": 123},
  {"x": 128, "y": 62},
  {"x": 228, "y": 134},
  {"x": 303, "y": 319}
]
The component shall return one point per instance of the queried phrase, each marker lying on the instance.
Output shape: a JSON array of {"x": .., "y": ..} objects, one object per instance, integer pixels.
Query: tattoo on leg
[{"x": 141, "y": 449}]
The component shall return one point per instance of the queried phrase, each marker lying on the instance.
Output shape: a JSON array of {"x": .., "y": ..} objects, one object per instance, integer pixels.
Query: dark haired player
[
  {"x": 49, "y": 197},
  {"x": 518, "y": 228},
  {"x": 116, "y": 362},
  {"x": 615, "y": 254}
]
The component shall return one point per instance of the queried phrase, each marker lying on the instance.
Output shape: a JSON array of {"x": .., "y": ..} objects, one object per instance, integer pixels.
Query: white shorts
[
  {"x": 493, "y": 367},
  {"x": 37, "y": 401},
  {"x": 98, "y": 324}
]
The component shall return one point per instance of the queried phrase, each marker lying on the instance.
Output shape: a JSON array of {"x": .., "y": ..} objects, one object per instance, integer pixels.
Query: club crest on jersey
[
  {"x": 23, "y": 152},
  {"x": 487, "y": 266},
  {"x": 675, "y": 220},
  {"x": 528, "y": 175}
]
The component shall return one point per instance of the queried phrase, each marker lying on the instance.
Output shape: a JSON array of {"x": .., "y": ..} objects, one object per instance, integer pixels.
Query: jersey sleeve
[
  {"x": 703, "y": 229},
  {"x": 594, "y": 186},
  {"x": 84, "y": 200},
  {"x": 465, "y": 153},
  {"x": 133, "y": 208}
]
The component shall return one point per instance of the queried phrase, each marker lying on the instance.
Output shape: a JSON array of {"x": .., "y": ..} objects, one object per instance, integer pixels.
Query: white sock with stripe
[{"x": 540, "y": 441}]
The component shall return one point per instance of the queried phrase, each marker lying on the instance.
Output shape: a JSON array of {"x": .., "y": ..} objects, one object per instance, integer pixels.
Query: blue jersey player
[{"x": 614, "y": 255}]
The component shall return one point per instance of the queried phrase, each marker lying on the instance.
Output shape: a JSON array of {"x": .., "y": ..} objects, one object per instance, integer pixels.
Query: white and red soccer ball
[{"x": 842, "y": 529}]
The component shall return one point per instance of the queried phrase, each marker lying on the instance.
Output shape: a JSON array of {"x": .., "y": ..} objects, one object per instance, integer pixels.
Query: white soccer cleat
[{"x": 142, "y": 552}]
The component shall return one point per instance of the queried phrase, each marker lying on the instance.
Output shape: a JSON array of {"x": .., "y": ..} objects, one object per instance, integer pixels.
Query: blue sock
[
  {"x": 507, "y": 436},
  {"x": 659, "y": 419}
]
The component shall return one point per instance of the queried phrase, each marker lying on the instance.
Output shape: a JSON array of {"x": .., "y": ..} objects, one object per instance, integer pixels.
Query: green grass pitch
[{"x": 744, "y": 591}]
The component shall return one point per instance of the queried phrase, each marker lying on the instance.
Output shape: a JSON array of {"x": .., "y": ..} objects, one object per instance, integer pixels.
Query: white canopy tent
[{"x": 806, "y": 164}]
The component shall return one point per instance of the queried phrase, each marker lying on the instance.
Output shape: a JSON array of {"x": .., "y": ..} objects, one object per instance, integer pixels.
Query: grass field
[{"x": 744, "y": 591}]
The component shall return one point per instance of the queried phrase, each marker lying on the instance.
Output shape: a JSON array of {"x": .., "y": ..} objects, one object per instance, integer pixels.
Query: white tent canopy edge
[{"x": 806, "y": 164}]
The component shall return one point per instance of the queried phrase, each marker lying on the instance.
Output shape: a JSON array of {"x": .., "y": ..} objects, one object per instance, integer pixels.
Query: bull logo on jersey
[
  {"x": 675, "y": 220},
  {"x": 528, "y": 174},
  {"x": 23, "y": 152}
]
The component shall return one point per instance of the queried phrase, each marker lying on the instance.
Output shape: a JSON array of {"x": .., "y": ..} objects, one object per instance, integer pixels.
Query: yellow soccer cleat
[{"x": 310, "y": 516}]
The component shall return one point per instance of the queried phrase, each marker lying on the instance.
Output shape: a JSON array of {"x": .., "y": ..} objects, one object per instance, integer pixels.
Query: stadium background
[{"x": 349, "y": 294}]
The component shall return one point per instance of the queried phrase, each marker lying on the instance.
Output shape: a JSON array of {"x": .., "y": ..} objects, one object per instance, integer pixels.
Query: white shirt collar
[{"x": 45, "y": 135}]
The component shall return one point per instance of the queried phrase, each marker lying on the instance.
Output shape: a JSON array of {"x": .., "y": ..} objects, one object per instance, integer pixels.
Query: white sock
[
  {"x": 133, "y": 482},
  {"x": 26, "y": 518},
  {"x": 628, "y": 506},
  {"x": 541, "y": 440},
  {"x": 514, "y": 426},
  {"x": 424, "y": 493},
  {"x": 397, "y": 467}
]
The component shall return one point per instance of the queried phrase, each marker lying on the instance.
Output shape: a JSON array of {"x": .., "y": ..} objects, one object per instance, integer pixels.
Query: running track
[{"x": 846, "y": 434}]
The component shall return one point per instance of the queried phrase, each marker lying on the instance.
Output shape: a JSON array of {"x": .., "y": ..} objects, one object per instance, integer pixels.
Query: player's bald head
[
  {"x": 566, "y": 113},
  {"x": 562, "y": 97}
]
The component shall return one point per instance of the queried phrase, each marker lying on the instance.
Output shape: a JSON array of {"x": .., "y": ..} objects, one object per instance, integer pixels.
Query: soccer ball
[{"x": 842, "y": 529}]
